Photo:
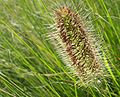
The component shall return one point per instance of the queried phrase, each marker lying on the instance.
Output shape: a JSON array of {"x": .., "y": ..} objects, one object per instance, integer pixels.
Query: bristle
[
  {"x": 76, "y": 41},
  {"x": 74, "y": 44}
]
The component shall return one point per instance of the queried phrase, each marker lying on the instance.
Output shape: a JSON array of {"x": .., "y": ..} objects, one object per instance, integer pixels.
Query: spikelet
[{"x": 75, "y": 45}]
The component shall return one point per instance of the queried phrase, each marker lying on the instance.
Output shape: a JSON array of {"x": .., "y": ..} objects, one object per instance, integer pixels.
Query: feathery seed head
[{"x": 76, "y": 44}]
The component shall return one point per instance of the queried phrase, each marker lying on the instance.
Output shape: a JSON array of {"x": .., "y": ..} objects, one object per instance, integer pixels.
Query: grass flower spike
[{"x": 73, "y": 43}]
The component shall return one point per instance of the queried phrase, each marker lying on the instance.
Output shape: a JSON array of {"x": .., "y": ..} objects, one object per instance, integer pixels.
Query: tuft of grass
[{"x": 30, "y": 66}]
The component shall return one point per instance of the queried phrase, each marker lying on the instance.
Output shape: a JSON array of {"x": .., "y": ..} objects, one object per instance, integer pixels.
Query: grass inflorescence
[{"x": 74, "y": 41}]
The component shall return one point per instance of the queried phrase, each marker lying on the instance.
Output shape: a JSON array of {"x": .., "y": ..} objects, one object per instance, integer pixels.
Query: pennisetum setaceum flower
[{"x": 75, "y": 43}]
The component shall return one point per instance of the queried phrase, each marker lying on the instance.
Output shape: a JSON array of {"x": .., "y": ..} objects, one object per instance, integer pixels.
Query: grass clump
[{"x": 31, "y": 67}]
